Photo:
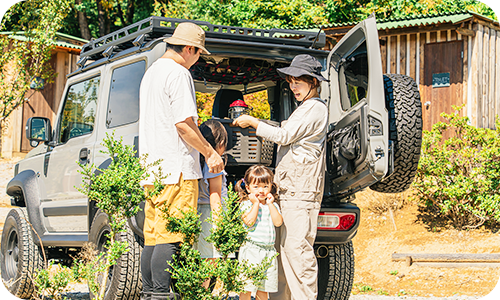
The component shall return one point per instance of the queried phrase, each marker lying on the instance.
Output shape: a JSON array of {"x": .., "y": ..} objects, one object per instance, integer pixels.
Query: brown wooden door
[{"x": 443, "y": 79}]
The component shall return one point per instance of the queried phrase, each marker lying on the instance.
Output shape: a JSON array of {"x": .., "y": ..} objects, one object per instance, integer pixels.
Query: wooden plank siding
[
  {"x": 476, "y": 53},
  {"x": 405, "y": 54},
  {"x": 45, "y": 103}
]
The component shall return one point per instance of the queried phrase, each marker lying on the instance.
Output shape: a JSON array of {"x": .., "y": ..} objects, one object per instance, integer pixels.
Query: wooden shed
[
  {"x": 454, "y": 58},
  {"x": 44, "y": 102}
]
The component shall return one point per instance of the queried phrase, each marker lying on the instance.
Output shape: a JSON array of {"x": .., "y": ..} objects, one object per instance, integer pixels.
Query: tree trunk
[
  {"x": 1, "y": 136},
  {"x": 82, "y": 22},
  {"x": 101, "y": 17},
  {"x": 120, "y": 14},
  {"x": 130, "y": 13}
]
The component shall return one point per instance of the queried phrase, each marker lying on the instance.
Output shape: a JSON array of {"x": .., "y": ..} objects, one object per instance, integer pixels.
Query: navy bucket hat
[{"x": 303, "y": 64}]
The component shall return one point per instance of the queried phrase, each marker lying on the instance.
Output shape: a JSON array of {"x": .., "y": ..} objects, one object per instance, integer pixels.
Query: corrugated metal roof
[
  {"x": 411, "y": 21},
  {"x": 423, "y": 20},
  {"x": 62, "y": 40}
]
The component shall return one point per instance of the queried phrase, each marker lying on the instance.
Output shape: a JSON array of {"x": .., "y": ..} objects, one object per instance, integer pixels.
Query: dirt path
[{"x": 380, "y": 235}]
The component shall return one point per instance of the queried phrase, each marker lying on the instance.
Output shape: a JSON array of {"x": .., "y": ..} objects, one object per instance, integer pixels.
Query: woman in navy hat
[{"x": 300, "y": 171}]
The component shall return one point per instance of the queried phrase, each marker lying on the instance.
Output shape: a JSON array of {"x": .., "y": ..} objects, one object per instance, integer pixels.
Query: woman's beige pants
[{"x": 297, "y": 266}]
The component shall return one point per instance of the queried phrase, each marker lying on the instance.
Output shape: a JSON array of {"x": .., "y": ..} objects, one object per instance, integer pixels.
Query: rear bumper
[{"x": 329, "y": 237}]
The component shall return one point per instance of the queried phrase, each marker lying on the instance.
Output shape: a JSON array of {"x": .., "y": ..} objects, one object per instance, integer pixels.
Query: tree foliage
[
  {"x": 25, "y": 59},
  {"x": 259, "y": 107},
  {"x": 100, "y": 17},
  {"x": 259, "y": 13},
  {"x": 459, "y": 178}
]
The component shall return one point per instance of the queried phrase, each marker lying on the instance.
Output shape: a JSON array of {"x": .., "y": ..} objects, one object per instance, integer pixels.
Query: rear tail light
[{"x": 336, "y": 221}]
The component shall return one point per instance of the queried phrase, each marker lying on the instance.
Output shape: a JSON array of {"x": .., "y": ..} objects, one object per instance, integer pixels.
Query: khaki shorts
[{"x": 181, "y": 196}]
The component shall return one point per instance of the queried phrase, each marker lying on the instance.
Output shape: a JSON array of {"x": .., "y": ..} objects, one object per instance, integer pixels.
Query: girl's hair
[
  {"x": 256, "y": 174},
  {"x": 215, "y": 134},
  {"x": 313, "y": 82}
]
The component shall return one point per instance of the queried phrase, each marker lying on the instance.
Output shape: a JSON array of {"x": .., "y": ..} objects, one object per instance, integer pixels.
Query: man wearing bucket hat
[
  {"x": 300, "y": 171},
  {"x": 168, "y": 132}
]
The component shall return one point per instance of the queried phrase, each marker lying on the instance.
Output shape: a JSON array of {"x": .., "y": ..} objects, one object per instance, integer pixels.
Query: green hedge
[{"x": 459, "y": 177}]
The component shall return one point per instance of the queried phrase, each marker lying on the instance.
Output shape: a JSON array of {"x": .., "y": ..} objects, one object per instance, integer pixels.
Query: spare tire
[{"x": 402, "y": 100}]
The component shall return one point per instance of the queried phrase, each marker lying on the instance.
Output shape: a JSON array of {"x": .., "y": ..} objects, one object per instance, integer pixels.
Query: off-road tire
[
  {"x": 335, "y": 271},
  {"x": 405, "y": 131},
  {"x": 125, "y": 280},
  {"x": 18, "y": 268}
]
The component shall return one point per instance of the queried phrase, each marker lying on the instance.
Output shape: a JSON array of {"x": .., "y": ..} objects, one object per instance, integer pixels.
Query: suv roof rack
[{"x": 154, "y": 27}]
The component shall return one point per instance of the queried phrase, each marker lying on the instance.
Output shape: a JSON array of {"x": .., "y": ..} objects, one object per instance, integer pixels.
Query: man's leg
[
  {"x": 147, "y": 252},
  {"x": 182, "y": 196},
  {"x": 160, "y": 268},
  {"x": 147, "y": 281}
]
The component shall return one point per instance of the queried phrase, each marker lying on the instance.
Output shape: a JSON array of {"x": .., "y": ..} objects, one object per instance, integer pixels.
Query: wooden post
[
  {"x": 469, "y": 78},
  {"x": 413, "y": 57},
  {"x": 485, "y": 75},
  {"x": 398, "y": 55},
  {"x": 492, "y": 79},
  {"x": 408, "y": 55},
  {"x": 477, "y": 74},
  {"x": 497, "y": 72},
  {"x": 388, "y": 45}
]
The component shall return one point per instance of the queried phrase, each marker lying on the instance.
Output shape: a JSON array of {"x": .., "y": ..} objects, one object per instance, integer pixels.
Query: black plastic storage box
[{"x": 245, "y": 147}]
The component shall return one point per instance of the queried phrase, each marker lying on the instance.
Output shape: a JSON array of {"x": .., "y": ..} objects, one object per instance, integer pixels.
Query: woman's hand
[{"x": 245, "y": 121}]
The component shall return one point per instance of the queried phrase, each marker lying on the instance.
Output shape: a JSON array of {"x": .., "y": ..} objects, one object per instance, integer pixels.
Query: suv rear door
[{"x": 357, "y": 143}]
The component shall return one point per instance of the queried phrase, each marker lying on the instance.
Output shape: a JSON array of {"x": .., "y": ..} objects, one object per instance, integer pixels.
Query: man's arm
[{"x": 190, "y": 133}]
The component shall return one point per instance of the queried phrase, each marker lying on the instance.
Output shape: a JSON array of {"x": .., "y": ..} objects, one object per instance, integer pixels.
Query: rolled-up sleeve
[{"x": 294, "y": 129}]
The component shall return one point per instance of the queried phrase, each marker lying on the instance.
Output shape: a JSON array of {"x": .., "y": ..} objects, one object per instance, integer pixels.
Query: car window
[
  {"x": 353, "y": 77},
  {"x": 79, "y": 110},
  {"x": 123, "y": 105}
]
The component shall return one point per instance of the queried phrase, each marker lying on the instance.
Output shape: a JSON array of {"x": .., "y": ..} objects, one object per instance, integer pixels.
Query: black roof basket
[{"x": 153, "y": 28}]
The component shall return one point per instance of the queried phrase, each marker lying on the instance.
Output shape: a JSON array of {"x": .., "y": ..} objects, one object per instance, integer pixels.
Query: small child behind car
[
  {"x": 212, "y": 188},
  {"x": 258, "y": 194}
]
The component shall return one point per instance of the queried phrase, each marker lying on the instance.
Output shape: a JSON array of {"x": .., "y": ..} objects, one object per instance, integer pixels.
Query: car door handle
[{"x": 84, "y": 155}]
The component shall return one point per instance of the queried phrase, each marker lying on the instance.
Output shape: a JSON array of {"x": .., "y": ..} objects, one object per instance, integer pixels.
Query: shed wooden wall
[
  {"x": 43, "y": 103},
  {"x": 484, "y": 95},
  {"x": 405, "y": 54}
]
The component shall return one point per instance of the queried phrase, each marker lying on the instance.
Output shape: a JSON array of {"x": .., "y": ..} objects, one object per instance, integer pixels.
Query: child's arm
[
  {"x": 275, "y": 214},
  {"x": 250, "y": 217},
  {"x": 215, "y": 188}
]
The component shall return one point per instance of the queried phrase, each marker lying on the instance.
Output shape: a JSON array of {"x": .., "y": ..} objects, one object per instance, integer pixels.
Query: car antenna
[{"x": 316, "y": 38}]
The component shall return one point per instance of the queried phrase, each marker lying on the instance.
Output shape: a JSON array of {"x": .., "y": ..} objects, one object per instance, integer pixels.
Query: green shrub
[
  {"x": 52, "y": 281},
  {"x": 227, "y": 235},
  {"x": 459, "y": 177},
  {"x": 116, "y": 191}
]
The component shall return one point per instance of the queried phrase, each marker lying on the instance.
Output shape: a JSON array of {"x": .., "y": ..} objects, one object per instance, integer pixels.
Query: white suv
[{"x": 374, "y": 139}]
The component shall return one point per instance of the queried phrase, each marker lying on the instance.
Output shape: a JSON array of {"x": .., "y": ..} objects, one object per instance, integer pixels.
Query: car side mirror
[{"x": 38, "y": 129}]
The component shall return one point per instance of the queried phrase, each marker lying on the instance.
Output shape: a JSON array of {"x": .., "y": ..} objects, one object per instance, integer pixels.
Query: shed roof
[
  {"x": 416, "y": 20},
  {"x": 62, "y": 40}
]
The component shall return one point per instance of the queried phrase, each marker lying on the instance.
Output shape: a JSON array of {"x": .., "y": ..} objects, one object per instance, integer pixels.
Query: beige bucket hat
[{"x": 188, "y": 34}]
